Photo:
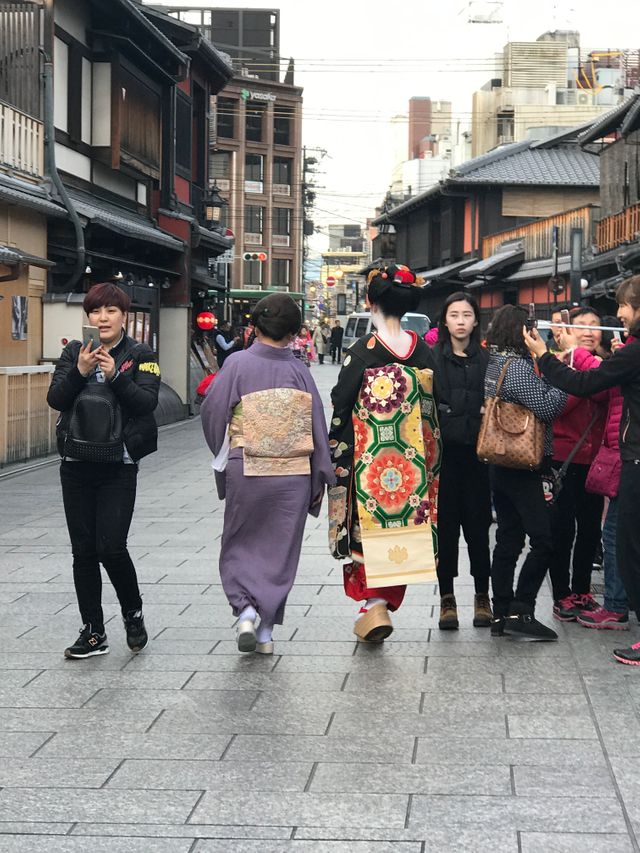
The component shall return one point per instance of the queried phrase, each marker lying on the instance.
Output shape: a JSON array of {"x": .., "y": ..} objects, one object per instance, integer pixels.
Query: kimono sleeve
[
  {"x": 344, "y": 397},
  {"x": 216, "y": 409}
]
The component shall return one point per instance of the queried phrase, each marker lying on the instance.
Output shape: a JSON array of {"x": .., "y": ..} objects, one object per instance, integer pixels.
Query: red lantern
[{"x": 206, "y": 321}]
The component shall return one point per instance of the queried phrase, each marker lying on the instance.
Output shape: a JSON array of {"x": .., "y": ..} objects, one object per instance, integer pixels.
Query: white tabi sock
[
  {"x": 371, "y": 602},
  {"x": 264, "y": 634},
  {"x": 248, "y": 613}
]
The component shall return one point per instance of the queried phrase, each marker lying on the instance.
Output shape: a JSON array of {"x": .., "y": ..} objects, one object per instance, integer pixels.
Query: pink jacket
[
  {"x": 611, "y": 435},
  {"x": 576, "y": 416}
]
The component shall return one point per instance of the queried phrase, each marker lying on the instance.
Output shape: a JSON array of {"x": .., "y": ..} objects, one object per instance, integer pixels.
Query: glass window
[
  {"x": 282, "y": 221},
  {"x": 281, "y": 271},
  {"x": 220, "y": 166},
  {"x": 282, "y": 170},
  {"x": 254, "y": 120},
  {"x": 282, "y": 125},
  {"x": 253, "y": 219},
  {"x": 351, "y": 327},
  {"x": 183, "y": 132},
  {"x": 253, "y": 167},
  {"x": 253, "y": 272},
  {"x": 362, "y": 326},
  {"x": 226, "y": 111}
]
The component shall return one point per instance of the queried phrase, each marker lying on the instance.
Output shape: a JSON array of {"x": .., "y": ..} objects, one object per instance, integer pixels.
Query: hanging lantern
[{"x": 206, "y": 320}]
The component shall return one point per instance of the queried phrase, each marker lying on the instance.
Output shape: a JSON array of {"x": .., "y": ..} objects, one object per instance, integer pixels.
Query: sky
[{"x": 360, "y": 62}]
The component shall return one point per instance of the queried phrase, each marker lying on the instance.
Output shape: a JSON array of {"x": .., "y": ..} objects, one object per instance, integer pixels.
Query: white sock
[
  {"x": 264, "y": 634},
  {"x": 371, "y": 602},
  {"x": 248, "y": 613}
]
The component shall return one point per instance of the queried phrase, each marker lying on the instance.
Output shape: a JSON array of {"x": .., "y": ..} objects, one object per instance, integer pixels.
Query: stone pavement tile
[
  {"x": 202, "y": 663},
  {"x": 578, "y": 725},
  {"x": 17, "y": 677},
  {"x": 108, "y": 745},
  {"x": 521, "y": 665},
  {"x": 80, "y": 675},
  {"x": 429, "y": 682},
  {"x": 58, "y": 719},
  {"x": 285, "y": 682},
  {"x": 536, "y": 752},
  {"x": 505, "y": 703},
  {"x": 627, "y": 778},
  {"x": 518, "y": 682},
  {"x": 333, "y": 663},
  {"x": 620, "y": 733},
  {"x": 286, "y": 748},
  {"x": 203, "y": 720},
  {"x": 21, "y": 744},
  {"x": 574, "y": 842},
  {"x": 40, "y": 772},
  {"x": 368, "y": 703},
  {"x": 61, "y": 844},
  {"x": 35, "y": 696},
  {"x": 224, "y": 776},
  {"x": 441, "y": 724},
  {"x": 69, "y": 804},
  {"x": 215, "y": 614},
  {"x": 27, "y": 828},
  {"x": 197, "y": 701},
  {"x": 449, "y": 839},
  {"x": 201, "y": 634},
  {"x": 175, "y": 830},
  {"x": 297, "y": 846},
  {"x": 546, "y": 814},
  {"x": 181, "y": 647},
  {"x": 563, "y": 782},
  {"x": 284, "y": 647},
  {"x": 307, "y": 809},
  {"x": 413, "y": 779}
]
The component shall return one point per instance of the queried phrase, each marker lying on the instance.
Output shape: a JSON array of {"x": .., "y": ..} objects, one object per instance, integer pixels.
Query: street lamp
[{"x": 213, "y": 204}]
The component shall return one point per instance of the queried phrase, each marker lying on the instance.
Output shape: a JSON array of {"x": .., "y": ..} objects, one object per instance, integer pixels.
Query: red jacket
[{"x": 576, "y": 416}]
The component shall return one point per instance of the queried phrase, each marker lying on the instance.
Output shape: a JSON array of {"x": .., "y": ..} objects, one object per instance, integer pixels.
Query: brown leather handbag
[{"x": 510, "y": 434}]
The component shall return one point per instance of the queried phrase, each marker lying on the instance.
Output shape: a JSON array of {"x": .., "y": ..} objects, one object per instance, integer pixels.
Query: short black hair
[
  {"x": 505, "y": 331},
  {"x": 582, "y": 311},
  {"x": 277, "y": 316},
  {"x": 460, "y": 296},
  {"x": 607, "y": 337}
]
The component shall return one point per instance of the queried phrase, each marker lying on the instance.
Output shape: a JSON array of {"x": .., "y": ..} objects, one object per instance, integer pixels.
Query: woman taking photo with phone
[
  {"x": 459, "y": 366},
  {"x": 518, "y": 493},
  {"x": 623, "y": 369},
  {"x": 106, "y": 397}
]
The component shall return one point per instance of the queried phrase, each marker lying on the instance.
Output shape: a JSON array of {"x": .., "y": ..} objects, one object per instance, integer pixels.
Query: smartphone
[
  {"x": 617, "y": 336},
  {"x": 531, "y": 318},
  {"x": 91, "y": 333},
  {"x": 565, "y": 317}
]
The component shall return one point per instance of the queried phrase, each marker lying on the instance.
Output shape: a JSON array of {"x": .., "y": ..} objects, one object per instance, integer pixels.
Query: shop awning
[
  {"x": 215, "y": 240},
  {"x": 445, "y": 271},
  {"x": 246, "y": 293},
  {"x": 201, "y": 275},
  {"x": 540, "y": 269},
  {"x": 10, "y": 257},
  {"x": 124, "y": 222},
  {"x": 31, "y": 196},
  {"x": 507, "y": 257}
]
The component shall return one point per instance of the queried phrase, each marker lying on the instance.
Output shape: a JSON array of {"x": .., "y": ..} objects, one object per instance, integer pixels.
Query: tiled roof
[
  {"x": 32, "y": 196},
  {"x": 519, "y": 163}
]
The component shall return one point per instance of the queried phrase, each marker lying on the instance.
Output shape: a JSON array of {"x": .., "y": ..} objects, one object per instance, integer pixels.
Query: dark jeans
[
  {"x": 628, "y": 532},
  {"x": 615, "y": 597},
  {"x": 464, "y": 501},
  {"x": 521, "y": 511},
  {"x": 320, "y": 358},
  {"x": 98, "y": 503},
  {"x": 335, "y": 353},
  {"x": 575, "y": 508}
]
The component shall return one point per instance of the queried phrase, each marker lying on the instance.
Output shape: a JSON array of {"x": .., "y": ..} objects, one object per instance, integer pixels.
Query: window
[
  {"x": 253, "y": 223},
  {"x": 252, "y": 272},
  {"x": 282, "y": 121},
  {"x": 226, "y": 112},
  {"x": 281, "y": 271},
  {"x": 362, "y": 326},
  {"x": 253, "y": 122},
  {"x": 282, "y": 220},
  {"x": 254, "y": 170},
  {"x": 183, "y": 132},
  {"x": 220, "y": 166},
  {"x": 282, "y": 171}
]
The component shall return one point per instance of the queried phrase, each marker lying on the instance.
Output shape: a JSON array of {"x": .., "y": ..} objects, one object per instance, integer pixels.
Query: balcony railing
[
  {"x": 623, "y": 227},
  {"x": 21, "y": 141},
  {"x": 537, "y": 237}
]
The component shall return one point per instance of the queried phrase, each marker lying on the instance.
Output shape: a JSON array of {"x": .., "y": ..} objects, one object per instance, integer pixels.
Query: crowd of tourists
[{"x": 426, "y": 440}]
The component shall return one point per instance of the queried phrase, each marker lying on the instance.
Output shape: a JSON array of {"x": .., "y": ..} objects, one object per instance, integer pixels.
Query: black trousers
[
  {"x": 464, "y": 501},
  {"x": 576, "y": 524},
  {"x": 628, "y": 532},
  {"x": 335, "y": 353},
  {"x": 98, "y": 502},
  {"x": 521, "y": 511}
]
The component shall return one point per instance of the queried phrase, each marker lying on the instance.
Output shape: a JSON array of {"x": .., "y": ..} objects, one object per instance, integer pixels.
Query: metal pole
[{"x": 575, "y": 275}]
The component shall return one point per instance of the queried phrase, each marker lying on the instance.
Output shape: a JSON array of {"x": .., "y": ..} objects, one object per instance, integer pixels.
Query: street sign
[
  {"x": 330, "y": 281},
  {"x": 225, "y": 258}
]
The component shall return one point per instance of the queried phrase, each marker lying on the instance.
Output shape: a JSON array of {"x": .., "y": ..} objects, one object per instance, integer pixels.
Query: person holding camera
[{"x": 106, "y": 395}]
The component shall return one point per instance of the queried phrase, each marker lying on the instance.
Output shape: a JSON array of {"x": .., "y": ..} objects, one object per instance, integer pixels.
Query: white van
[{"x": 359, "y": 325}]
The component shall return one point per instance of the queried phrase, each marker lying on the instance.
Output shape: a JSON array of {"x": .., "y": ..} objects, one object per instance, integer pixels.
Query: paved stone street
[{"x": 434, "y": 742}]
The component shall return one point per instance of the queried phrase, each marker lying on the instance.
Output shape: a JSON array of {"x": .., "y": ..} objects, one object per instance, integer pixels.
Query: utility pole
[{"x": 307, "y": 197}]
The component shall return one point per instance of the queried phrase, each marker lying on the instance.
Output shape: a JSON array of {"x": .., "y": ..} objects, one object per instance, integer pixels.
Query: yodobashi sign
[{"x": 247, "y": 95}]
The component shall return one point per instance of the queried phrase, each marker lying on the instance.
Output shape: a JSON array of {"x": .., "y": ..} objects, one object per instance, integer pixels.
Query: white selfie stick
[{"x": 547, "y": 324}]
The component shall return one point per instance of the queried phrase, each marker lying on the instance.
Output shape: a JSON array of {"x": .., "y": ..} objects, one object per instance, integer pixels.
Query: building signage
[{"x": 247, "y": 94}]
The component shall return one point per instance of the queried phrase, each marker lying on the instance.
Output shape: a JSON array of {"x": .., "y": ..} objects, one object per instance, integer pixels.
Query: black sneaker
[
  {"x": 525, "y": 626},
  {"x": 88, "y": 644},
  {"x": 137, "y": 637},
  {"x": 497, "y": 626}
]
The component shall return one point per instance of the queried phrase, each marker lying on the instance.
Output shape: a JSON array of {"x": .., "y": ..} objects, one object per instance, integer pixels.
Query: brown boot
[
  {"x": 482, "y": 613},
  {"x": 448, "y": 613}
]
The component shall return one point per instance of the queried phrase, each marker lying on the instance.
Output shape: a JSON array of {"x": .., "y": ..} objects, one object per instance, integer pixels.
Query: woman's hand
[
  {"x": 106, "y": 362},
  {"x": 88, "y": 358},
  {"x": 534, "y": 342},
  {"x": 616, "y": 344},
  {"x": 567, "y": 339}
]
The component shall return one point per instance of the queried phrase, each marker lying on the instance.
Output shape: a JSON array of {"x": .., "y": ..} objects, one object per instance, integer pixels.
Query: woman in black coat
[{"x": 464, "y": 501}]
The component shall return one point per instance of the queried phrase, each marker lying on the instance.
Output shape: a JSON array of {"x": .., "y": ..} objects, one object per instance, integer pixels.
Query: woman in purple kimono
[{"x": 264, "y": 422}]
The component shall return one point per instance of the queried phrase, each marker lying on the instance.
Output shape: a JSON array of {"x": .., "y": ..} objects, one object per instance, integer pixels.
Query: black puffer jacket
[
  {"x": 459, "y": 391},
  {"x": 135, "y": 387}
]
